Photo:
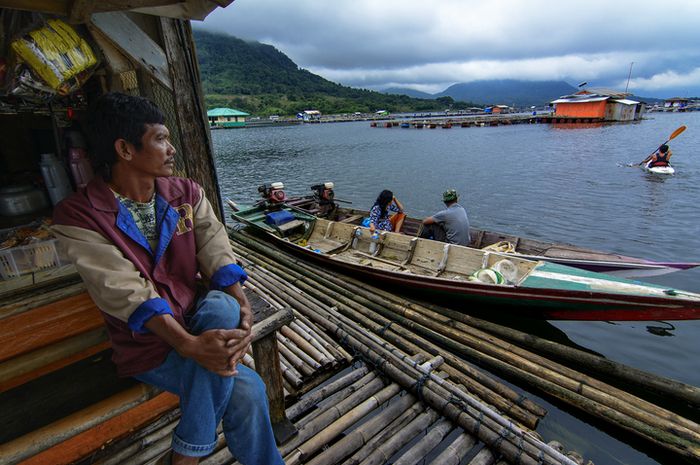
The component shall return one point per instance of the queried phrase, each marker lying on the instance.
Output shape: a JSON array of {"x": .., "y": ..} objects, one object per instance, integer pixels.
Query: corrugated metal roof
[
  {"x": 625, "y": 101},
  {"x": 226, "y": 112},
  {"x": 573, "y": 99},
  {"x": 609, "y": 92}
]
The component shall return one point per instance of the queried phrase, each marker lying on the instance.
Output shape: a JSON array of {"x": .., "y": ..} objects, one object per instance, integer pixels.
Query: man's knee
[{"x": 217, "y": 310}]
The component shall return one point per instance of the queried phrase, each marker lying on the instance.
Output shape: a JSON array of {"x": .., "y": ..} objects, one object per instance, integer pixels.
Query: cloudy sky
[{"x": 430, "y": 45}]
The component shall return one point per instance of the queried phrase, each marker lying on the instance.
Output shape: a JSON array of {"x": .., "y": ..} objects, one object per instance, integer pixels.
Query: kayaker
[
  {"x": 448, "y": 225},
  {"x": 379, "y": 214},
  {"x": 140, "y": 238},
  {"x": 660, "y": 158}
]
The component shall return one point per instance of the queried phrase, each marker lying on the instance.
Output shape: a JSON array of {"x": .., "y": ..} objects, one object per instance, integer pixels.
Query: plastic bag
[{"x": 56, "y": 54}]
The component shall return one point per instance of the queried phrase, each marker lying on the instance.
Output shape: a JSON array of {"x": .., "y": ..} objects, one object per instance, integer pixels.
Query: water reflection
[{"x": 662, "y": 330}]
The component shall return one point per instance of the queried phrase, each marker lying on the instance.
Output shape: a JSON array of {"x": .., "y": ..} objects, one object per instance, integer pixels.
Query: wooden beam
[
  {"x": 48, "y": 324},
  {"x": 189, "y": 108},
  {"x": 68, "y": 427},
  {"x": 90, "y": 441},
  {"x": 128, "y": 37}
]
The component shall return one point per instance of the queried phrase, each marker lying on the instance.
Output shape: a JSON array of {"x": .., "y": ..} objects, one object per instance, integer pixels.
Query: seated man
[
  {"x": 449, "y": 225},
  {"x": 141, "y": 239}
]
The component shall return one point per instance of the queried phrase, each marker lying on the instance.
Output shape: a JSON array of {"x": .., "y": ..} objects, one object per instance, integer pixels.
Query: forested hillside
[{"x": 261, "y": 80}]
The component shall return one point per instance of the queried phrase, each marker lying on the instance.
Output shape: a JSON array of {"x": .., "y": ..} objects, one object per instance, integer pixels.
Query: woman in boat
[
  {"x": 379, "y": 217},
  {"x": 661, "y": 157}
]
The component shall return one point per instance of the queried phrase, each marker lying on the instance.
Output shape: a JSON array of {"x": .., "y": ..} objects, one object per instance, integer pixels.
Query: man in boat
[
  {"x": 448, "y": 225},
  {"x": 659, "y": 158},
  {"x": 141, "y": 240}
]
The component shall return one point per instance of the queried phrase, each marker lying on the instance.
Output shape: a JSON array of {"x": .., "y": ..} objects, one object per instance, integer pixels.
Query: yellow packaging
[{"x": 55, "y": 53}]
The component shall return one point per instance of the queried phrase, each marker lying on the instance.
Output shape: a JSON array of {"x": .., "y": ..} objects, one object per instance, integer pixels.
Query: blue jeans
[{"x": 207, "y": 398}]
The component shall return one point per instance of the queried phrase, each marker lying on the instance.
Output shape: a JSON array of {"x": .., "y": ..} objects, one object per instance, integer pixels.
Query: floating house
[
  {"x": 226, "y": 118},
  {"x": 599, "y": 104},
  {"x": 676, "y": 104},
  {"x": 309, "y": 115}
]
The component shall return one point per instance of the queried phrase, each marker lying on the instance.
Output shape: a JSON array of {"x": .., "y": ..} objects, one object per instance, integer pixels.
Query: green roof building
[{"x": 226, "y": 118}]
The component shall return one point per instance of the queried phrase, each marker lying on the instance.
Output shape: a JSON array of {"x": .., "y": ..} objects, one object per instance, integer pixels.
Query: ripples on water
[{"x": 555, "y": 183}]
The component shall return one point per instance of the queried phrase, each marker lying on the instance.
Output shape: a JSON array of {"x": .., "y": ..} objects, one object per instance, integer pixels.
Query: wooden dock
[{"x": 484, "y": 121}]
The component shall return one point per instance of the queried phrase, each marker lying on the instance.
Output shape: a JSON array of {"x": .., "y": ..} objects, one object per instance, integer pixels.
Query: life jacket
[{"x": 661, "y": 159}]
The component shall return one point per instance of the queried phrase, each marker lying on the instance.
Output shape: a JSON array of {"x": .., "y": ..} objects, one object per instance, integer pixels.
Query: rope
[
  {"x": 384, "y": 328},
  {"x": 420, "y": 382}
]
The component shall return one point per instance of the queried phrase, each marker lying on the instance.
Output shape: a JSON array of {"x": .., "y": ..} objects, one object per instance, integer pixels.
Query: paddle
[{"x": 673, "y": 136}]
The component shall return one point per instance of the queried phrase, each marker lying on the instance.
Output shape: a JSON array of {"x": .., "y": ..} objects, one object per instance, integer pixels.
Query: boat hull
[
  {"x": 450, "y": 272},
  {"x": 660, "y": 169},
  {"x": 564, "y": 254}
]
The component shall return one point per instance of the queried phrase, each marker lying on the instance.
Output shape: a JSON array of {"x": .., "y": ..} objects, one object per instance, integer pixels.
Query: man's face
[{"x": 156, "y": 157}]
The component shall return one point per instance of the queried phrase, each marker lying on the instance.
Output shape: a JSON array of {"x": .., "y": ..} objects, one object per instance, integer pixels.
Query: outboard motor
[
  {"x": 272, "y": 193},
  {"x": 324, "y": 196}
]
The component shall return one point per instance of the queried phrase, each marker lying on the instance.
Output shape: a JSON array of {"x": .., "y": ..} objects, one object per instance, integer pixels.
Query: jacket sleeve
[
  {"x": 214, "y": 255},
  {"x": 112, "y": 281}
]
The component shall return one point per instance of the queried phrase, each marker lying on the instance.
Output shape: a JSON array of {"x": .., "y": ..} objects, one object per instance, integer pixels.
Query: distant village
[{"x": 604, "y": 105}]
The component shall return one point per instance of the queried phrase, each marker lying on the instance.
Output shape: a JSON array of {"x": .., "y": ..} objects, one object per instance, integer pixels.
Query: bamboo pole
[
  {"x": 590, "y": 387},
  {"x": 307, "y": 365},
  {"x": 451, "y": 390},
  {"x": 309, "y": 428},
  {"x": 456, "y": 451},
  {"x": 140, "y": 443},
  {"x": 328, "y": 342},
  {"x": 286, "y": 351},
  {"x": 312, "y": 398},
  {"x": 363, "y": 434},
  {"x": 427, "y": 443},
  {"x": 484, "y": 457},
  {"x": 386, "y": 433},
  {"x": 304, "y": 345},
  {"x": 624, "y": 374},
  {"x": 335, "y": 398},
  {"x": 308, "y": 335},
  {"x": 303, "y": 451},
  {"x": 384, "y": 452}
]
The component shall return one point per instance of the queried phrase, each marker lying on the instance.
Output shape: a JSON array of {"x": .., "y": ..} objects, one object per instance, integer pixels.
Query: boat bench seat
[{"x": 286, "y": 228}]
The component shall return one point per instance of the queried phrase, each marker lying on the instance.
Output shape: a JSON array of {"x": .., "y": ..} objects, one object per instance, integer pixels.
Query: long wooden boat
[
  {"x": 564, "y": 254},
  {"x": 546, "y": 289}
]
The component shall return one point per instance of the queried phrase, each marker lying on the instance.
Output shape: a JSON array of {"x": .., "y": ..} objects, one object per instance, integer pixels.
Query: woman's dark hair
[
  {"x": 663, "y": 148},
  {"x": 383, "y": 200},
  {"x": 117, "y": 116}
]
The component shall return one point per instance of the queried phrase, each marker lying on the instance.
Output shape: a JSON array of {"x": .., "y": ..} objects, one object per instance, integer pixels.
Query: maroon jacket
[{"x": 131, "y": 283}]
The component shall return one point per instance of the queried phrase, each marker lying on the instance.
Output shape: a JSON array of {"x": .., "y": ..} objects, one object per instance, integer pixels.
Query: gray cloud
[{"x": 429, "y": 45}]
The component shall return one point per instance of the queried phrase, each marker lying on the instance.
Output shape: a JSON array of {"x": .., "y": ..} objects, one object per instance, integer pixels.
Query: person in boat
[
  {"x": 380, "y": 217},
  {"x": 142, "y": 240},
  {"x": 660, "y": 158},
  {"x": 448, "y": 225}
]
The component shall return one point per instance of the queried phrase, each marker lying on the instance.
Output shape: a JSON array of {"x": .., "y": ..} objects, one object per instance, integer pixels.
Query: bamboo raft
[
  {"x": 418, "y": 329},
  {"x": 423, "y": 397}
]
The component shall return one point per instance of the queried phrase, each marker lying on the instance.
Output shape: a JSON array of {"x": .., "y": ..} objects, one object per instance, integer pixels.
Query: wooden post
[{"x": 267, "y": 364}]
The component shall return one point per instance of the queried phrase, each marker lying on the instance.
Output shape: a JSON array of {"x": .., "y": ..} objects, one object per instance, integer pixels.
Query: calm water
[{"x": 561, "y": 184}]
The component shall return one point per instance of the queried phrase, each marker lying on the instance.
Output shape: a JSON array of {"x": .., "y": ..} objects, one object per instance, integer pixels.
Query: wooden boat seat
[
  {"x": 352, "y": 219},
  {"x": 290, "y": 226}
]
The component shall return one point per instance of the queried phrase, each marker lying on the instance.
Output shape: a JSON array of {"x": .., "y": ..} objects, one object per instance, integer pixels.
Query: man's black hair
[{"x": 117, "y": 116}]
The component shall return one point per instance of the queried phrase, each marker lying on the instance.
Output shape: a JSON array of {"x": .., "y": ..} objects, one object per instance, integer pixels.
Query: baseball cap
[{"x": 449, "y": 195}]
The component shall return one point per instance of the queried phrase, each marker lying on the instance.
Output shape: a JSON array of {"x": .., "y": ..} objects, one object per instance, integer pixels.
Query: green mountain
[{"x": 261, "y": 80}]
